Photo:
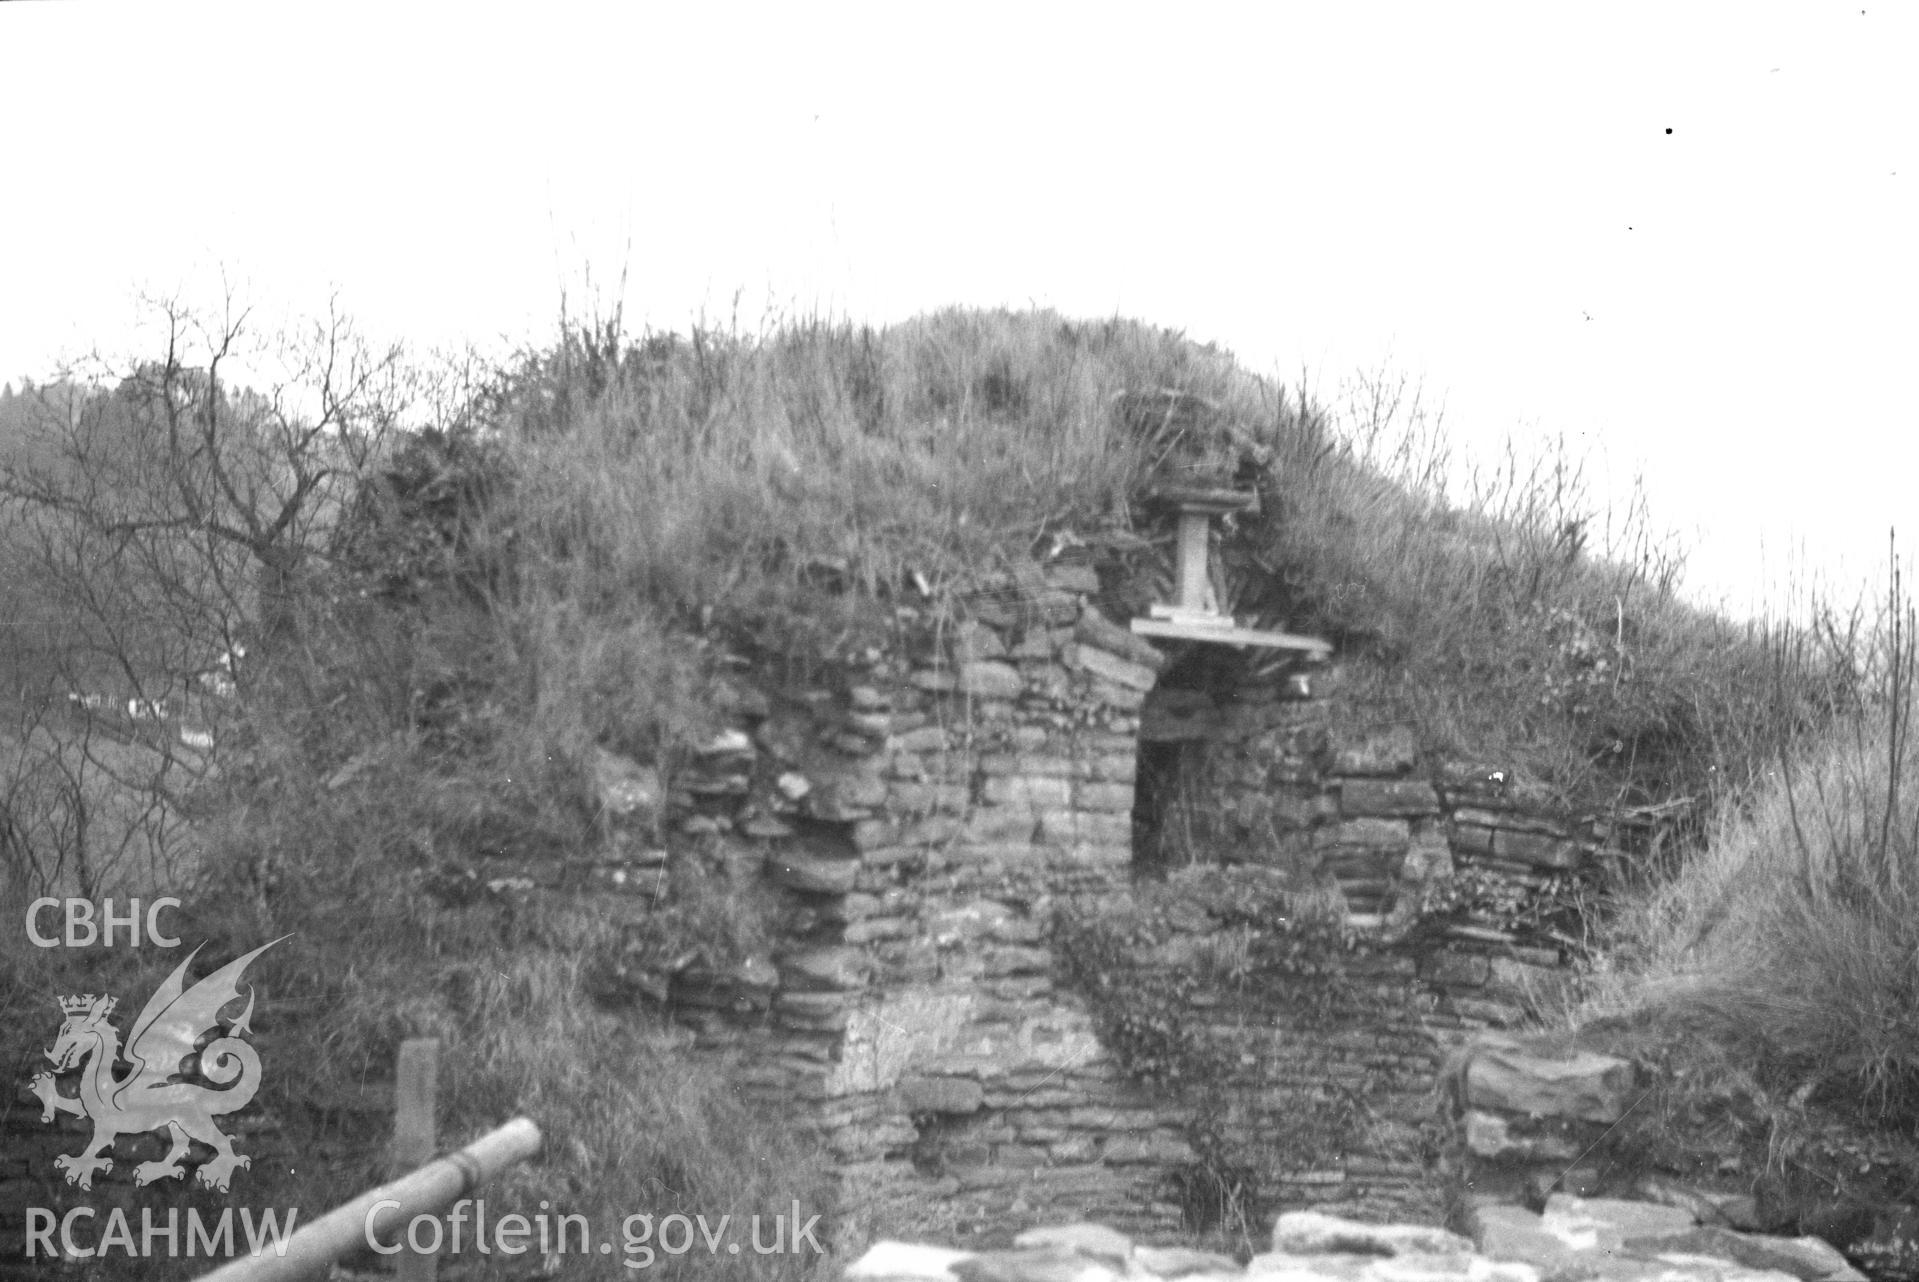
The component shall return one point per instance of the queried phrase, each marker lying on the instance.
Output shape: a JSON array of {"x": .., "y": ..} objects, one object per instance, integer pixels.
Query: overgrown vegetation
[
  {"x": 459, "y": 617},
  {"x": 1794, "y": 936},
  {"x": 1773, "y": 978},
  {"x": 1179, "y": 981}
]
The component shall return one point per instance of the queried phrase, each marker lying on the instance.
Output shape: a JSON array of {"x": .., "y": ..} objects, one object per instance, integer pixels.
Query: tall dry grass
[
  {"x": 1794, "y": 936},
  {"x": 620, "y": 513}
]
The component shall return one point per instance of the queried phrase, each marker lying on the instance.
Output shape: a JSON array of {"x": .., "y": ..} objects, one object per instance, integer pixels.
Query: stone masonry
[{"x": 920, "y": 813}]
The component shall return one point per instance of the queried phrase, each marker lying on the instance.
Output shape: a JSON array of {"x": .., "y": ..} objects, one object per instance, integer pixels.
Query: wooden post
[
  {"x": 416, "y": 1083},
  {"x": 1199, "y": 613},
  {"x": 1195, "y": 529}
]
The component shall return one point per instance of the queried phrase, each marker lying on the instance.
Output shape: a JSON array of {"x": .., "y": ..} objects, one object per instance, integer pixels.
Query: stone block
[
  {"x": 1537, "y": 849},
  {"x": 1107, "y": 797},
  {"x": 1095, "y": 629},
  {"x": 1011, "y": 959},
  {"x": 1484, "y": 1012},
  {"x": 1094, "y": 1241},
  {"x": 1470, "y": 839},
  {"x": 1515, "y": 1076},
  {"x": 1605, "y": 1224},
  {"x": 1053, "y": 607},
  {"x": 1042, "y": 643},
  {"x": 1028, "y": 763},
  {"x": 824, "y": 968},
  {"x": 941, "y": 1095},
  {"x": 1018, "y": 930},
  {"x": 1074, "y": 576},
  {"x": 1511, "y": 820},
  {"x": 1393, "y": 835},
  {"x": 866, "y": 698},
  {"x": 926, "y": 798},
  {"x": 974, "y": 919},
  {"x": 811, "y": 1012},
  {"x": 903, "y": 1260},
  {"x": 994, "y": 824},
  {"x": 1315, "y": 1233},
  {"x": 1456, "y": 970},
  {"x": 1429, "y": 858},
  {"x": 1809, "y": 1259},
  {"x": 1184, "y": 1262},
  {"x": 1111, "y": 667},
  {"x": 925, "y": 739},
  {"x": 811, "y": 873},
  {"x": 1080, "y": 827},
  {"x": 1027, "y": 738},
  {"x": 1732, "y": 1210},
  {"x": 870, "y": 725},
  {"x": 990, "y": 680},
  {"x": 1028, "y": 791},
  {"x": 1157, "y": 1148},
  {"x": 989, "y": 858},
  {"x": 881, "y": 859},
  {"x": 870, "y": 834},
  {"x": 869, "y": 930},
  {"x": 1408, "y": 797},
  {"x": 1112, "y": 695},
  {"x": 936, "y": 830},
  {"x": 973, "y": 641},
  {"x": 1516, "y": 1234}
]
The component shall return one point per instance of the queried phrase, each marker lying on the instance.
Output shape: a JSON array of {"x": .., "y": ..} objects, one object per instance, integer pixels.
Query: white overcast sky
[{"x": 1684, "y": 236}]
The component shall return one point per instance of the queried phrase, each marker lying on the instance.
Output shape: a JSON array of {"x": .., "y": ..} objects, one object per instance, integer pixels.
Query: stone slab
[
  {"x": 1094, "y": 1240},
  {"x": 989, "y": 679},
  {"x": 1314, "y": 1233},
  {"x": 1605, "y": 1223},
  {"x": 812, "y": 875},
  {"x": 957, "y": 1095},
  {"x": 1537, "y": 849},
  {"x": 1387, "y": 797},
  {"x": 1505, "y": 1074},
  {"x": 1124, "y": 672},
  {"x": 1809, "y": 1259}
]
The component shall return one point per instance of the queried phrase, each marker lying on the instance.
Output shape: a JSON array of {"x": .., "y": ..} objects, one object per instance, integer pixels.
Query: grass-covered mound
[
  {"x": 599, "y": 528},
  {"x": 1775, "y": 975}
]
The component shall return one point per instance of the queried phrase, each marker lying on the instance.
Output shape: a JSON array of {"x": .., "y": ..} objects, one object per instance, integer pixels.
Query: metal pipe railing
[{"x": 428, "y": 1191}]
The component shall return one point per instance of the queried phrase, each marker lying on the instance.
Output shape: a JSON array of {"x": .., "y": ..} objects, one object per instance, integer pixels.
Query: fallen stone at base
[
  {"x": 906, "y": 1260},
  {"x": 1621, "y": 1241},
  {"x": 1095, "y": 1240},
  {"x": 1604, "y": 1223},
  {"x": 1311, "y": 1233},
  {"x": 1183, "y": 1262},
  {"x": 1808, "y": 1258},
  {"x": 1576, "y": 1240}
]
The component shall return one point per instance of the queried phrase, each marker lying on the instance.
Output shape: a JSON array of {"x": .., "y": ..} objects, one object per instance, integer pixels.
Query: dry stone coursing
[{"x": 921, "y": 812}]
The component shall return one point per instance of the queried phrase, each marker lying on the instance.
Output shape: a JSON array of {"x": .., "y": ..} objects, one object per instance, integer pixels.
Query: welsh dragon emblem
[{"x": 150, "y": 1096}]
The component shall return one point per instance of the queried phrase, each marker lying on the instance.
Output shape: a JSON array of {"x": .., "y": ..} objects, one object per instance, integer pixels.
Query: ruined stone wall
[{"x": 919, "y": 816}]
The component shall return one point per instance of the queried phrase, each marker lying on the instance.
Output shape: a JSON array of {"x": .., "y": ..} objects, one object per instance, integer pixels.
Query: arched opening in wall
[{"x": 1185, "y": 786}]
